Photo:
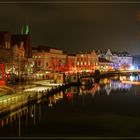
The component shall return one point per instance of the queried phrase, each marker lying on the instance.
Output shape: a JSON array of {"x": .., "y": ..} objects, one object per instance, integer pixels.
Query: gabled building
[
  {"x": 105, "y": 65},
  {"x": 25, "y": 39},
  {"x": 15, "y": 52},
  {"x": 121, "y": 60},
  {"x": 108, "y": 55},
  {"x": 22, "y": 51},
  {"x": 125, "y": 60},
  {"x": 87, "y": 61}
]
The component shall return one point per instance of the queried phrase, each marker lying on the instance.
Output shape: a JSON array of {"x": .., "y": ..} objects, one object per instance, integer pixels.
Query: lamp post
[
  {"x": 19, "y": 68},
  {"x": 43, "y": 60},
  {"x": 27, "y": 70}
]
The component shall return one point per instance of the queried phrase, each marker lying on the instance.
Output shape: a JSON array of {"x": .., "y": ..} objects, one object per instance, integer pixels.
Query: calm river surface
[{"x": 111, "y": 108}]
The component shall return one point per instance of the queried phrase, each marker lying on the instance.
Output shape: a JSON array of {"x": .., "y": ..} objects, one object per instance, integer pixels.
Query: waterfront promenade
[{"x": 16, "y": 96}]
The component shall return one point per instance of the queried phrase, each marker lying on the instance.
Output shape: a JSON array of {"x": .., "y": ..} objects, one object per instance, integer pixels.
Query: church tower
[
  {"x": 25, "y": 33},
  {"x": 25, "y": 29},
  {"x": 24, "y": 37}
]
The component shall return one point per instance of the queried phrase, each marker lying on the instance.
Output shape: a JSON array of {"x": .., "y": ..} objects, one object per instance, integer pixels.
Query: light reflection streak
[
  {"x": 108, "y": 86},
  {"x": 55, "y": 98},
  {"x": 95, "y": 89},
  {"x": 133, "y": 80},
  {"x": 29, "y": 113}
]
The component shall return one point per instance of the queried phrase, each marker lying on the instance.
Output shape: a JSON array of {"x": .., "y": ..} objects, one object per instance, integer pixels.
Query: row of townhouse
[
  {"x": 52, "y": 59},
  {"x": 18, "y": 57}
]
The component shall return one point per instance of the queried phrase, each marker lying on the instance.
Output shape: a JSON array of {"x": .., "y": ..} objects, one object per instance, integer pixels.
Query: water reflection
[
  {"x": 17, "y": 120},
  {"x": 95, "y": 89},
  {"x": 48, "y": 115},
  {"x": 109, "y": 85},
  {"x": 132, "y": 77},
  {"x": 106, "y": 85},
  {"x": 55, "y": 98},
  {"x": 28, "y": 116}
]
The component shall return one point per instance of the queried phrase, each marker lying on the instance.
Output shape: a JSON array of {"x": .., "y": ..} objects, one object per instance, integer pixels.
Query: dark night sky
[{"x": 75, "y": 27}]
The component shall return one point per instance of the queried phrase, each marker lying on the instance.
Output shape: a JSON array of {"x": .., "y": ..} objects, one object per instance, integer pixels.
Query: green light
[{"x": 25, "y": 29}]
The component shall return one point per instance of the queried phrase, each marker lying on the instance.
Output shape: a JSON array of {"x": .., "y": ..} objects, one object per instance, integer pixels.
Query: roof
[
  {"x": 123, "y": 54},
  {"x": 104, "y": 60},
  {"x": 71, "y": 54},
  {"x": 4, "y": 36},
  {"x": 17, "y": 39},
  {"x": 44, "y": 47},
  {"x": 108, "y": 52},
  {"x": 40, "y": 48}
]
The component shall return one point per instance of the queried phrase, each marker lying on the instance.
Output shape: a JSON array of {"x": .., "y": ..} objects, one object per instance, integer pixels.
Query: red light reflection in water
[
  {"x": 95, "y": 88},
  {"x": 69, "y": 96}
]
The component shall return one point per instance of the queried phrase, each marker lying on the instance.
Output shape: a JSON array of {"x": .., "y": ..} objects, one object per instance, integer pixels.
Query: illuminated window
[{"x": 77, "y": 63}]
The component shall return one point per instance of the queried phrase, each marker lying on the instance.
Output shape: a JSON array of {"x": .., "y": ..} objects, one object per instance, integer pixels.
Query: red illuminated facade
[{"x": 2, "y": 74}]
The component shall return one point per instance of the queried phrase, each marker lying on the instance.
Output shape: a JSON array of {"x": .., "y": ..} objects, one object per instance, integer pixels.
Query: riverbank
[{"x": 20, "y": 96}]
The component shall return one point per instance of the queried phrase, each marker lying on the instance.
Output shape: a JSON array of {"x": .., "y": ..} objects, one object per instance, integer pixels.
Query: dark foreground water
[{"x": 109, "y": 109}]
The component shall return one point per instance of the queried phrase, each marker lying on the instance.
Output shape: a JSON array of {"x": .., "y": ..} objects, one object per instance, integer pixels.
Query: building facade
[
  {"x": 121, "y": 60},
  {"x": 48, "y": 59},
  {"x": 105, "y": 65},
  {"x": 87, "y": 61},
  {"x": 15, "y": 51},
  {"x": 71, "y": 63}
]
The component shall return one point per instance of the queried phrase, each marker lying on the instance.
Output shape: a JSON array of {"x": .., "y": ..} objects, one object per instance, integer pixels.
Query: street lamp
[{"x": 19, "y": 68}]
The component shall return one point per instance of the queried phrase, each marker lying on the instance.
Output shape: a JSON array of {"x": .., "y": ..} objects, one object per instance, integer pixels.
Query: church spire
[{"x": 25, "y": 29}]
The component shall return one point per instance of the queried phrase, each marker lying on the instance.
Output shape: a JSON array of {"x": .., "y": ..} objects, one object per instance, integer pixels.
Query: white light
[
  {"x": 37, "y": 89},
  {"x": 132, "y": 68},
  {"x": 32, "y": 115},
  {"x": 47, "y": 71},
  {"x": 132, "y": 78},
  {"x": 50, "y": 105}
]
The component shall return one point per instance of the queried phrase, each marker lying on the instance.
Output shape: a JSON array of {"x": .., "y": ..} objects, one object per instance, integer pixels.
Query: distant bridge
[
  {"x": 117, "y": 72},
  {"x": 77, "y": 77}
]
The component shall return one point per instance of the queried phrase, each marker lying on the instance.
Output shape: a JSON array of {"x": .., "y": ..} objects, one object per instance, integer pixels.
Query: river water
[{"x": 111, "y": 108}]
